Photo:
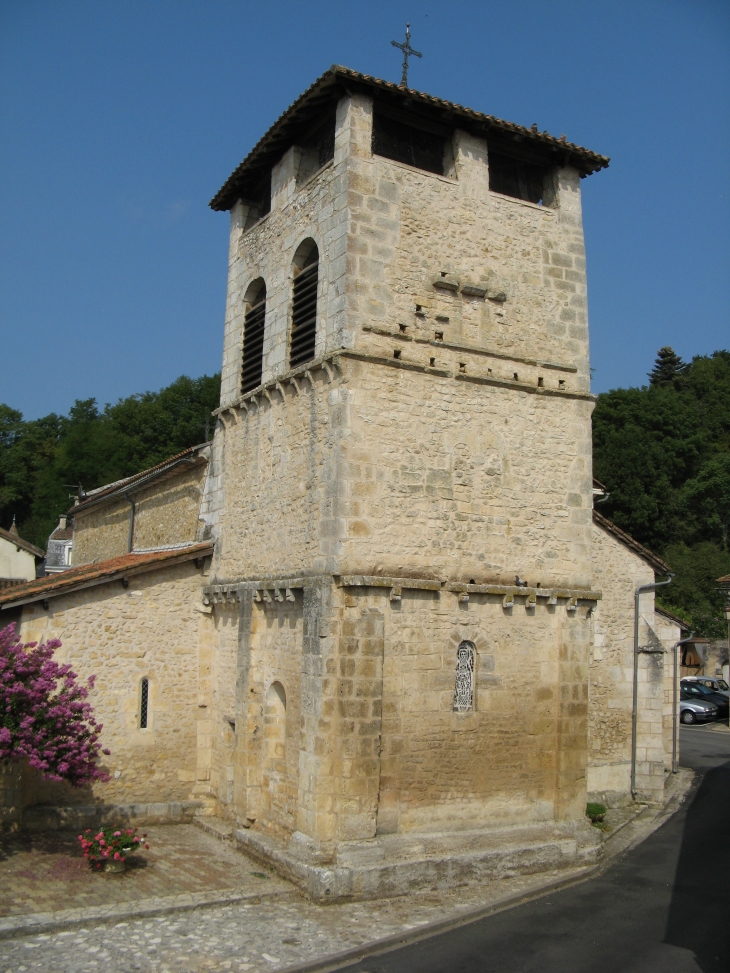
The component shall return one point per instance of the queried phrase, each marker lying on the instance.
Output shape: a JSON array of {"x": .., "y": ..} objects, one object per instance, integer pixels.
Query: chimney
[{"x": 62, "y": 521}]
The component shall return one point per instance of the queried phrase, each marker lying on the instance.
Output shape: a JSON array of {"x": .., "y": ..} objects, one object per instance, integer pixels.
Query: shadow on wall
[{"x": 703, "y": 876}]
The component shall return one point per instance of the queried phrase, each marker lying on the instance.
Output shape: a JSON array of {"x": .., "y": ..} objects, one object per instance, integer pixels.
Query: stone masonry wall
[
  {"x": 409, "y": 228},
  {"x": 669, "y": 634},
  {"x": 617, "y": 572},
  {"x": 101, "y": 533},
  {"x": 150, "y": 629},
  {"x": 384, "y": 471},
  {"x": 167, "y": 512}
]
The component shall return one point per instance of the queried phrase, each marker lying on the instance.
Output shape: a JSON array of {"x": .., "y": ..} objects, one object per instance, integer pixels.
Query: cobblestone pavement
[
  {"x": 271, "y": 935},
  {"x": 45, "y": 872}
]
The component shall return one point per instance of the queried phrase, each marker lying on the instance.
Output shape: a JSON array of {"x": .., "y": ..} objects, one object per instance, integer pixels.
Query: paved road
[{"x": 662, "y": 908}]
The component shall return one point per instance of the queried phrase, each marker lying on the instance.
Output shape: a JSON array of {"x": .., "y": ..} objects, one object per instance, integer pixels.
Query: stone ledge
[
  {"x": 40, "y": 818},
  {"x": 393, "y": 865},
  {"x": 466, "y": 346}
]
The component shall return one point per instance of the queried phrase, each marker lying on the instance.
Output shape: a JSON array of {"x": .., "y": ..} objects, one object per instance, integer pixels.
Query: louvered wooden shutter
[
  {"x": 304, "y": 316},
  {"x": 253, "y": 346}
]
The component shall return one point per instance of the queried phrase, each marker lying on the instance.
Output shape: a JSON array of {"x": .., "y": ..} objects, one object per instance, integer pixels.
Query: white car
[{"x": 717, "y": 685}]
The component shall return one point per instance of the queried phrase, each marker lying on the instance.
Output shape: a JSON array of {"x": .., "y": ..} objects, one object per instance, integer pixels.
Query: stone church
[{"x": 376, "y": 623}]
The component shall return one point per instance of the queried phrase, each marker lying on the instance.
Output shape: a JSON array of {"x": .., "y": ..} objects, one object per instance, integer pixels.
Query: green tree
[
  {"x": 667, "y": 367},
  {"x": 663, "y": 452},
  {"x": 42, "y": 461}
]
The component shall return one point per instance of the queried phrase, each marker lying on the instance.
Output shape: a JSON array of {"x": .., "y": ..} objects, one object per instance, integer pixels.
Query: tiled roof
[
  {"x": 675, "y": 618},
  {"x": 109, "y": 490},
  {"x": 62, "y": 533},
  {"x": 88, "y": 575},
  {"x": 661, "y": 567},
  {"x": 338, "y": 80},
  {"x": 11, "y": 582},
  {"x": 13, "y": 538}
]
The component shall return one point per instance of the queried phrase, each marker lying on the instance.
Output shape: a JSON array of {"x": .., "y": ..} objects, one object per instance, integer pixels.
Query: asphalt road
[{"x": 663, "y": 907}]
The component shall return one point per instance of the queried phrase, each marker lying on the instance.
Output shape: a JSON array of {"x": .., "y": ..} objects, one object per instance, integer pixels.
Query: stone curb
[
  {"x": 336, "y": 961},
  {"x": 12, "y": 927}
]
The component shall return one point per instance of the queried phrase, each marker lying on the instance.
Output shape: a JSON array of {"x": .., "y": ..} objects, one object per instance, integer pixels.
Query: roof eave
[
  {"x": 187, "y": 554},
  {"x": 585, "y": 161}
]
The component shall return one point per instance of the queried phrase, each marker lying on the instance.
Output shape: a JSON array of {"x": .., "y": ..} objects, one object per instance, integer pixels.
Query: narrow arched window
[
  {"x": 464, "y": 690},
  {"x": 253, "y": 336},
  {"x": 144, "y": 699},
  {"x": 304, "y": 304}
]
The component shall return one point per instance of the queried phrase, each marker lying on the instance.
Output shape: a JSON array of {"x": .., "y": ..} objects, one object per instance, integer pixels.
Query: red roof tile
[{"x": 87, "y": 575}]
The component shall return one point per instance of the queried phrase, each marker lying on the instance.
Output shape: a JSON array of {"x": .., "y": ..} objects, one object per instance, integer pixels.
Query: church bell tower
[{"x": 400, "y": 494}]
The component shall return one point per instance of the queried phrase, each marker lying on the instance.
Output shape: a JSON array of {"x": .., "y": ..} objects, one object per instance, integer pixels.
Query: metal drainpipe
[
  {"x": 675, "y": 699},
  {"x": 634, "y": 709},
  {"x": 130, "y": 538}
]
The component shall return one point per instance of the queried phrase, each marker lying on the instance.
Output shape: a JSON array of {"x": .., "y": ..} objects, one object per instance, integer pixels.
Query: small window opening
[
  {"x": 253, "y": 336},
  {"x": 462, "y": 366},
  {"x": 420, "y": 313},
  {"x": 402, "y": 328},
  {"x": 432, "y": 362},
  {"x": 257, "y": 196},
  {"x": 396, "y": 353},
  {"x": 439, "y": 335},
  {"x": 144, "y": 697},
  {"x": 515, "y": 376},
  {"x": 443, "y": 318},
  {"x": 464, "y": 689},
  {"x": 561, "y": 383},
  {"x": 304, "y": 304},
  {"x": 395, "y": 140},
  {"x": 489, "y": 371},
  {"x": 540, "y": 382},
  {"x": 511, "y": 177},
  {"x": 317, "y": 148}
]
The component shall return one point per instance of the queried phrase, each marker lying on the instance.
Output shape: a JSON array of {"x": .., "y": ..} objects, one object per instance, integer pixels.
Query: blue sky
[{"x": 120, "y": 120}]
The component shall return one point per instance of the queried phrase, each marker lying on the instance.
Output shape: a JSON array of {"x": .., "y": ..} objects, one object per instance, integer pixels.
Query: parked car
[
  {"x": 716, "y": 685},
  {"x": 694, "y": 710},
  {"x": 698, "y": 691}
]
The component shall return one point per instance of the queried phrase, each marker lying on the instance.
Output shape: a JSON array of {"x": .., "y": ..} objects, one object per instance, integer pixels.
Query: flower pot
[{"x": 114, "y": 865}]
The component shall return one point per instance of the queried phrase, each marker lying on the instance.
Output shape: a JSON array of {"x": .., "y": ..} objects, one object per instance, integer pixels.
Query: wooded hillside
[
  {"x": 663, "y": 453},
  {"x": 43, "y": 461}
]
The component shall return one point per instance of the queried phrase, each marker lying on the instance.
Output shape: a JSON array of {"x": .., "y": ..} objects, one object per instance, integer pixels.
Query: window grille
[
  {"x": 253, "y": 342},
  {"x": 403, "y": 143},
  {"x": 511, "y": 177},
  {"x": 144, "y": 703},
  {"x": 464, "y": 691},
  {"x": 304, "y": 311}
]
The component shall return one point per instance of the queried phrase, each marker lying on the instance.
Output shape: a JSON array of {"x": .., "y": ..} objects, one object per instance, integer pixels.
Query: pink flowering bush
[
  {"x": 44, "y": 716},
  {"x": 109, "y": 844}
]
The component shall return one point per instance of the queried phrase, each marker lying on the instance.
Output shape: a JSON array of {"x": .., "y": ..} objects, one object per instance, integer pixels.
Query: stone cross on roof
[{"x": 407, "y": 52}]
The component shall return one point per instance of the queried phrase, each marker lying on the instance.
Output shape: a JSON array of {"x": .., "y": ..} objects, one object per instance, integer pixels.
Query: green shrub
[{"x": 595, "y": 812}]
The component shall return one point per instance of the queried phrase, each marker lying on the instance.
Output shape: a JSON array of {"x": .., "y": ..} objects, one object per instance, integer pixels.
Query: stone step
[{"x": 218, "y": 827}]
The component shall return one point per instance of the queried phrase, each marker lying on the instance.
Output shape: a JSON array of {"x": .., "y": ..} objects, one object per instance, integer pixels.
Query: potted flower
[{"x": 107, "y": 848}]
